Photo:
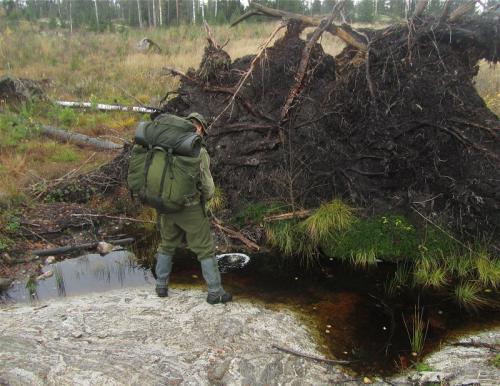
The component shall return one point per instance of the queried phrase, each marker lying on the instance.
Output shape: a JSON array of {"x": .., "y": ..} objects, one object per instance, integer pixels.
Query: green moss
[
  {"x": 388, "y": 238},
  {"x": 495, "y": 361},
  {"x": 423, "y": 366}
]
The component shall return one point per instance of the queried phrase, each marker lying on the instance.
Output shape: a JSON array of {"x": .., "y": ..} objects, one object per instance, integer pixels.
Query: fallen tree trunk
[
  {"x": 78, "y": 139},
  {"x": 105, "y": 107}
]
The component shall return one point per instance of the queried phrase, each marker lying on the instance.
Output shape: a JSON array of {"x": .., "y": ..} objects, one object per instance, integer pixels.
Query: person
[{"x": 192, "y": 224}]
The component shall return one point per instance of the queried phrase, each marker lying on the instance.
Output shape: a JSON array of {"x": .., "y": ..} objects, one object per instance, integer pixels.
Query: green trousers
[{"x": 190, "y": 224}]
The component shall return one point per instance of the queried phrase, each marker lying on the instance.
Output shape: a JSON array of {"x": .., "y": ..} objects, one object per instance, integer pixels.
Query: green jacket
[{"x": 207, "y": 186}]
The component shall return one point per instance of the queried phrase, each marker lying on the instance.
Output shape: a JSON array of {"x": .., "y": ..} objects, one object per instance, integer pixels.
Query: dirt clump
[{"x": 14, "y": 91}]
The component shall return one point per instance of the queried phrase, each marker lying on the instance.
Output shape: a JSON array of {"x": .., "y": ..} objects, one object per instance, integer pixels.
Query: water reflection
[{"x": 89, "y": 273}]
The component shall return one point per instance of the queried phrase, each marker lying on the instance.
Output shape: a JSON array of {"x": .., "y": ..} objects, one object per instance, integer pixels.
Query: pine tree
[{"x": 365, "y": 11}]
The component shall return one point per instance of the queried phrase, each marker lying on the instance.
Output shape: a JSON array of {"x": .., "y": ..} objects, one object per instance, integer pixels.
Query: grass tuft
[
  {"x": 363, "y": 259},
  {"x": 428, "y": 273},
  {"x": 218, "y": 201},
  {"x": 418, "y": 332},
  {"x": 488, "y": 270},
  {"x": 329, "y": 219},
  {"x": 468, "y": 296},
  {"x": 291, "y": 239}
]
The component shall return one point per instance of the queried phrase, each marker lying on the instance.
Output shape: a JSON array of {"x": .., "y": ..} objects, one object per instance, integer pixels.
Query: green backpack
[{"x": 164, "y": 168}]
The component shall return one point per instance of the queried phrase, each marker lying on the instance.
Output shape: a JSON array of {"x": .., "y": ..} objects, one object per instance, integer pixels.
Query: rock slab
[{"x": 132, "y": 337}]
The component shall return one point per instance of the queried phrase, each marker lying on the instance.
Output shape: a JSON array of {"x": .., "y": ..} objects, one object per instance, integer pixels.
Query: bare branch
[{"x": 344, "y": 32}]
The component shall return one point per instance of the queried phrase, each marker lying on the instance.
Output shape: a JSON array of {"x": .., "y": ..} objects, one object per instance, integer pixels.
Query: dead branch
[
  {"x": 344, "y": 32},
  {"x": 234, "y": 234},
  {"x": 211, "y": 38},
  {"x": 79, "y": 139},
  {"x": 120, "y": 218},
  {"x": 104, "y": 107},
  {"x": 71, "y": 248},
  {"x": 304, "y": 61},
  {"x": 288, "y": 216},
  {"x": 175, "y": 72},
  {"x": 309, "y": 356}
]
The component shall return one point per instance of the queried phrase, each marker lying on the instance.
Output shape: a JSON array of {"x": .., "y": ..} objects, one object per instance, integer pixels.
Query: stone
[
  {"x": 104, "y": 248},
  {"x": 45, "y": 275},
  {"x": 4, "y": 283},
  {"x": 50, "y": 260},
  {"x": 6, "y": 259},
  {"x": 459, "y": 365}
]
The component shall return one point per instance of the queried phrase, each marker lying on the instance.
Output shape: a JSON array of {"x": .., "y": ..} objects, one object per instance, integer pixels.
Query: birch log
[{"x": 102, "y": 106}]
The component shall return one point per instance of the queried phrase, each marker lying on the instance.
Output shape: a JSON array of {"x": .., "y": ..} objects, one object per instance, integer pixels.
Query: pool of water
[
  {"x": 84, "y": 274},
  {"x": 345, "y": 310}
]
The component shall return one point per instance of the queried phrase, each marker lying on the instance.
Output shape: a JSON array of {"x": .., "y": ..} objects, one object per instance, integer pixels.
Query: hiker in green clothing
[{"x": 192, "y": 223}]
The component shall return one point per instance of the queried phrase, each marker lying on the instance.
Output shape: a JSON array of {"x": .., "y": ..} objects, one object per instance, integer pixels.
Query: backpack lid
[{"x": 170, "y": 132}]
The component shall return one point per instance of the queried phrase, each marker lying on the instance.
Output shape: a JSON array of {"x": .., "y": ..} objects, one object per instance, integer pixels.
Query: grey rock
[
  {"x": 459, "y": 365},
  {"x": 127, "y": 337}
]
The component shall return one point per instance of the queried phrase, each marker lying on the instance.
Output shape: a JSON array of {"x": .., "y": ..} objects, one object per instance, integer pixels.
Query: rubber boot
[
  {"x": 163, "y": 269},
  {"x": 211, "y": 274}
]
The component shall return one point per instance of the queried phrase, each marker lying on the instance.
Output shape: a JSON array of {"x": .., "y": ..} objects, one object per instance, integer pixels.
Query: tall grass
[
  {"x": 417, "y": 331},
  {"x": 108, "y": 66}
]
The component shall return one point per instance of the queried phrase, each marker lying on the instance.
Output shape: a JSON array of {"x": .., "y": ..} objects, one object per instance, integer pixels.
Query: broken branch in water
[
  {"x": 105, "y": 107},
  {"x": 309, "y": 356},
  {"x": 71, "y": 248}
]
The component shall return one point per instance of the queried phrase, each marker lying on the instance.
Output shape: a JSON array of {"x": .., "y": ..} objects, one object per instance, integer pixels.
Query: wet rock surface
[
  {"x": 132, "y": 337},
  {"x": 466, "y": 361}
]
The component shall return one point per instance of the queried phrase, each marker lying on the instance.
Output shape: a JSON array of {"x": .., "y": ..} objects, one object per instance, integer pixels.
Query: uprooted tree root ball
[
  {"x": 391, "y": 123},
  {"x": 395, "y": 126}
]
